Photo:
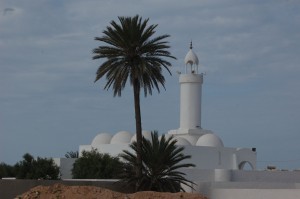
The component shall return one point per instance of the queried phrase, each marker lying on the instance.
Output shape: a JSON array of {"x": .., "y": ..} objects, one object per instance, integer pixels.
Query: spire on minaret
[{"x": 191, "y": 45}]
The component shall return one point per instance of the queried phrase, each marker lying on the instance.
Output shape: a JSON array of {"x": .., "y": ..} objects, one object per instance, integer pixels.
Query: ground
[{"x": 59, "y": 191}]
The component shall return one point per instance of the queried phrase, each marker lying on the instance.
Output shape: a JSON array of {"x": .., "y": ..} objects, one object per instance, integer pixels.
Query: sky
[{"x": 249, "y": 51}]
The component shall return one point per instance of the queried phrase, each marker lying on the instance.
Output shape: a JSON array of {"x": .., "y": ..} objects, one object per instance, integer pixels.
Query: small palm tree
[
  {"x": 132, "y": 54},
  {"x": 161, "y": 160}
]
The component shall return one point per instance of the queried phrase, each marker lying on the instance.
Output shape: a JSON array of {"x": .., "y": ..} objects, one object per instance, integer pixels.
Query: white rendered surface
[
  {"x": 182, "y": 141},
  {"x": 102, "y": 138},
  {"x": 145, "y": 134},
  {"x": 209, "y": 139},
  {"x": 254, "y": 193},
  {"x": 204, "y": 157},
  {"x": 191, "y": 58},
  {"x": 191, "y": 138},
  {"x": 121, "y": 137},
  {"x": 190, "y": 101}
]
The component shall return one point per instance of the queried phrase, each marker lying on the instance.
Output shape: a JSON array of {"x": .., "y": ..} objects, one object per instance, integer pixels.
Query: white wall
[
  {"x": 65, "y": 166},
  {"x": 203, "y": 157},
  {"x": 266, "y": 176},
  {"x": 251, "y": 179},
  {"x": 218, "y": 157},
  {"x": 190, "y": 101},
  {"x": 235, "y": 184},
  {"x": 255, "y": 194}
]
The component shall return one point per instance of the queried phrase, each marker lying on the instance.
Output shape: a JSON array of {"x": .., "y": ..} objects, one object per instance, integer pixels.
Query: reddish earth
[{"x": 59, "y": 191}]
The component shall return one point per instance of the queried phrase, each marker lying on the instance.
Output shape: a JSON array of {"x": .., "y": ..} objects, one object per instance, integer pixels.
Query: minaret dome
[{"x": 191, "y": 58}]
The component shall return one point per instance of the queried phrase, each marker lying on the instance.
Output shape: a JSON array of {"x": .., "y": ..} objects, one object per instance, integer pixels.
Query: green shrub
[
  {"x": 40, "y": 168},
  {"x": 95, "y": 165}
]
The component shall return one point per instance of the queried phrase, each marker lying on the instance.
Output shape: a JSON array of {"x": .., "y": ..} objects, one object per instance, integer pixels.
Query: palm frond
[
  {"x": 129, "y": 44},
  {"x": 161, "y": 159}
]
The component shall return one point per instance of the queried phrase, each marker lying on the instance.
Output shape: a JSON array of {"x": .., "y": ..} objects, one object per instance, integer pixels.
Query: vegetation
[
  {"x": 95, "y": 165},
  {"x": 40, "y": 168},
  {"x": 72, "y": 154},
  {"x": 132, "y": 53},
  {"x": 161, "y": 160},
  {"x": 6, "y": 171}
]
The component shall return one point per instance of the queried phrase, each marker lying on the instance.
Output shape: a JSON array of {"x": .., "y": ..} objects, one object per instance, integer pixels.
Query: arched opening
[{"x": 245, "y": 165}]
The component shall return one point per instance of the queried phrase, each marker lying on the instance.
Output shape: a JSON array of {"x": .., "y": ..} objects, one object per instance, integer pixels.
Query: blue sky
[{"x": 250, "y": 51}]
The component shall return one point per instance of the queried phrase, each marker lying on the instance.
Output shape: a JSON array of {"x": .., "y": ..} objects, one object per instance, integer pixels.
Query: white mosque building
[
  {"x": 205, "y": 147},
  {"x": 220, "y": 170}
]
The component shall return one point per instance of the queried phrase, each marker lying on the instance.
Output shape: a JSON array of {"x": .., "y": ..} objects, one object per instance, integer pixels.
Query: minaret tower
[{"x": 190, "y": 96}]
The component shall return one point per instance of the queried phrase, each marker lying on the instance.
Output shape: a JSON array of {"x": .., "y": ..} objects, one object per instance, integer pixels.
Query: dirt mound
[{"x": 59, "y": 191}]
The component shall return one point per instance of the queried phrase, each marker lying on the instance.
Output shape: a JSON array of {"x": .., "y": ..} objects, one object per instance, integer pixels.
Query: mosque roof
[
  {"x": 124, "y": 137},
  {"x": 121, "y": 137},
  {"x": 211, "y": 140},
  {"x": 102, "y": 138}
]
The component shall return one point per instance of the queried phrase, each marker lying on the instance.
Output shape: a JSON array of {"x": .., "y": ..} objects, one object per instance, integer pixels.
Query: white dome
[
  {"x": 191, "y": 138},
  {"x": 102, "y": 138},
  {"x": 121, "y": 137},
  {"x": 167, "y": 136},
  {"x": 210, "y": 140},
  {"x": 181, "y": 141},
  {"x": 145, "y": 134},
  {"x": 191, "y": 58}
]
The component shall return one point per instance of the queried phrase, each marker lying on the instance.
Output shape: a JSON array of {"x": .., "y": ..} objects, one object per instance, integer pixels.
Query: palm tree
[
  {"x": 161, "y": 160},
  {"x": 131, "y": 53}
]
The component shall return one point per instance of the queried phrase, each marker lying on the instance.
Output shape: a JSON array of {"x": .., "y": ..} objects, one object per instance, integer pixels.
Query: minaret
[{"x": 190, "y": 96}]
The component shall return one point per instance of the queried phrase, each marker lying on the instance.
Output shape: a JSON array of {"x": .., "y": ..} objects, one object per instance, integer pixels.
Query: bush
[
  {"x": 95, "y": 165},
  {"x": 6, "y": 170},
  {"x": 41, "y": 168}
]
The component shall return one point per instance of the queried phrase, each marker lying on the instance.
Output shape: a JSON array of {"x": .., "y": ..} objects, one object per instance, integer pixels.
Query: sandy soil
[{"x": 59, "y": 191}]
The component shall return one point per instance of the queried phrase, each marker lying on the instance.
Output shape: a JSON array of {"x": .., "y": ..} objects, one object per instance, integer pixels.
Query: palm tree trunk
[{"x": 138, "y": 126}]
